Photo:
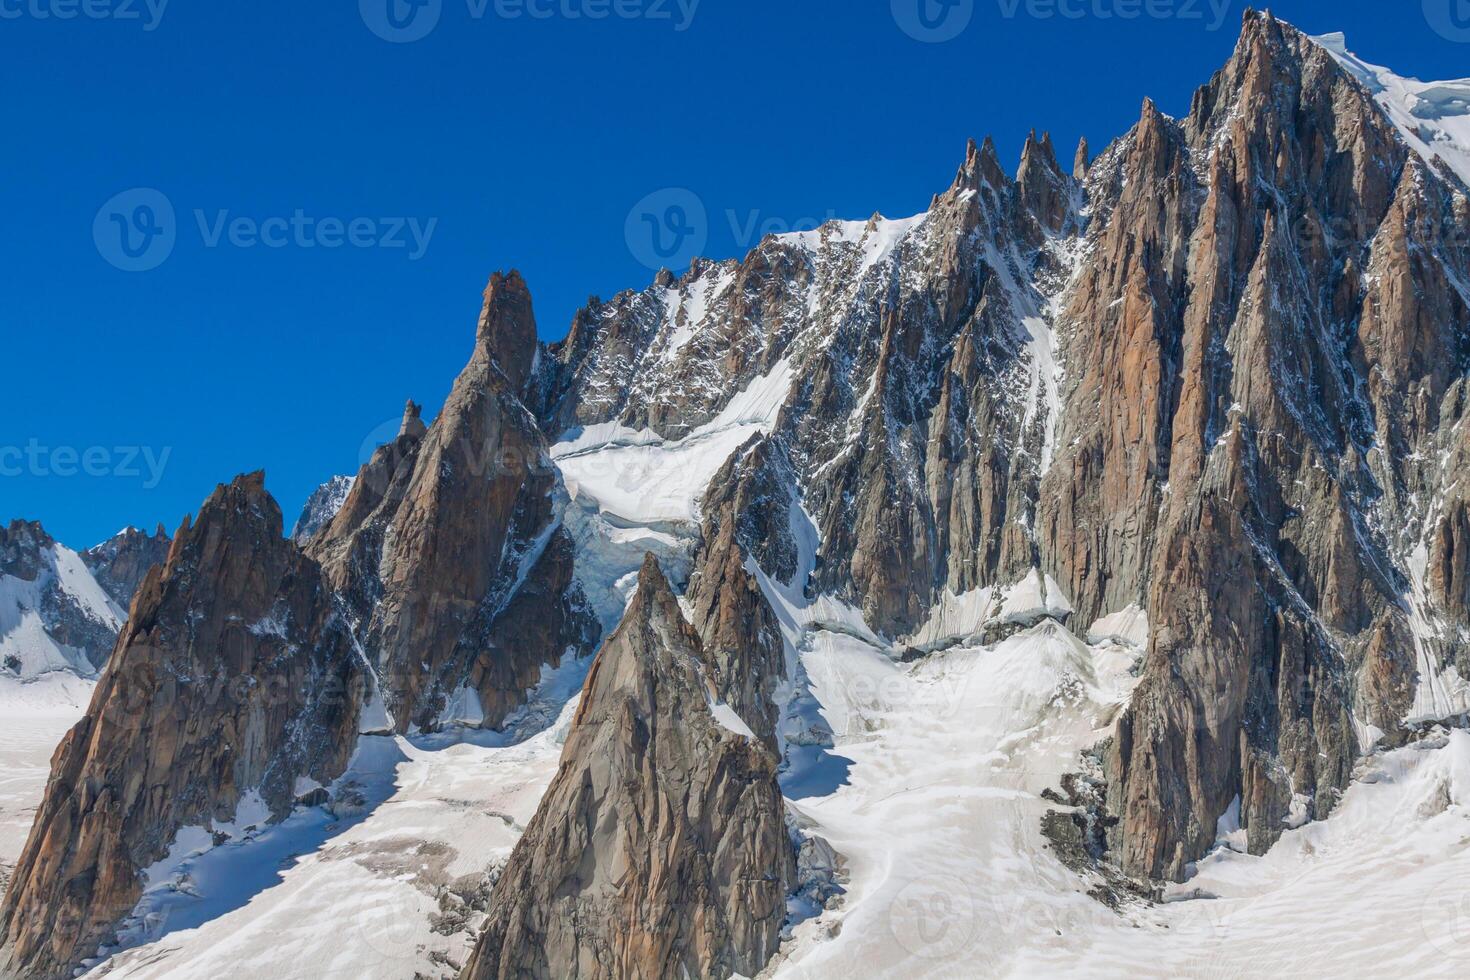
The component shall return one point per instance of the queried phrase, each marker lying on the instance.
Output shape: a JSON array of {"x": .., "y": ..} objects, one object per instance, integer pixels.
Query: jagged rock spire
[
  {"x": 1043, "y": 187},
  {"x": 660, "y": 849},
  {"x": 1039, "y": 153},
  {"x": 981, "y": 166},
  {"x": 447, "y": 547},
  {"x": 187, "y": 718},
  {"x": 413, "y": 422},
  {"x": 1081, "y": 161},
  {"x": 507, "y": 330}
]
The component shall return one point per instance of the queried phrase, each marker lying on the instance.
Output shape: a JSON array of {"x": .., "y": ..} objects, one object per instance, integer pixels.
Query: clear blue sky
[{"x": 525, "y": 140}]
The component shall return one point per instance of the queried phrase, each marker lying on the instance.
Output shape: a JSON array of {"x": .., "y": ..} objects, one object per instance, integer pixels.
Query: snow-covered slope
[
  {"x": 1434, "y": 117},
  {"x": 57, "y": 625},
  {"x": 54, "y": 616},
  {"x": 34, "y": 716},
  {"x": 385, "y": 890}
]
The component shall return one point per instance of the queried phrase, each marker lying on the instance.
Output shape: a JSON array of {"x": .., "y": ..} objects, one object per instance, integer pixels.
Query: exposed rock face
[
  {"x": 1278, "y": 558},
  {"x": 1044, "y": 191},
  {"x": 120, "y": 563},
  {"x": 660, "y": 849},
  {"x": 21, "y": 547},
  {"x": 1214, "y": 373},
  {"x": 54, "y": 616},
  {"x": 746, "y": 513},
  {"x": 449, "y": 547},
  {"x": 235, "y": 674},
  {"x": 919, "y": 410}
]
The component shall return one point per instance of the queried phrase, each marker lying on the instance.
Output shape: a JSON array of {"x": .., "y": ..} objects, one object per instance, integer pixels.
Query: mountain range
[{"x": 978, "y": 593}]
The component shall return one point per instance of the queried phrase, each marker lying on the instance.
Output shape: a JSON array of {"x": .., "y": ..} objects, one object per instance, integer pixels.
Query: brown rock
[
  {"x": 235, "y": 673},
  {"x": 660, "y": 848},
  {"x": 450, "y": 532},
  {"x": 120, "y": 563}
]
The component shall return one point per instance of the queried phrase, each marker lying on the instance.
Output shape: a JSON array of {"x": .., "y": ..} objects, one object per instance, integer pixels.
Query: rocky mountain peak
[
  {"x": 1038, "y": 153},
  {"x": 239, "y": 510},
  {"x": 1045, "y": 192},
  {"x": 981, "y": 166},
  {"x": 20, "y": 545},
  {"x": 1208, "y": 385},
  {"x": 236, "y": 609},
  {"x": 653, "y": 591},
  {"x": 120, "y": 563},
  {"x": 660, "y": 848},
  {"x": 55, "y": 613},
  {"x": 449, "y": 549},
  {"x": 327, "y": 500},
  {"x": 413, "y": 422},
  {"x": 507, "y": 329}
]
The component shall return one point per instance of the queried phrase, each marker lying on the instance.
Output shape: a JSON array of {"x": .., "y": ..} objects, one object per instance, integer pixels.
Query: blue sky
[{"x": 339, "y": 199}]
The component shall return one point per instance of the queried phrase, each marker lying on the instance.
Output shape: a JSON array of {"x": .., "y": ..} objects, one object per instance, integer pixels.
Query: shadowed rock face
[
  {"x": 21, "y": 547},
  {"x": 449, "y": 548},
  {"x": 120, "y": 564},
  {"x": 660, "y": 849},
  {"x": 746, "y": 518},
  {"x": 234, "y": 674}
]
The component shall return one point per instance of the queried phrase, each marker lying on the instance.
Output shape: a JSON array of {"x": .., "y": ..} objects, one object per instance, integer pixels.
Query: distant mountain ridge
[{"x": 61, "y": 610}]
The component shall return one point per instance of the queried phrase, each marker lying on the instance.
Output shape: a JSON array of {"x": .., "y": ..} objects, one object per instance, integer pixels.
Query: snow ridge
[{"x": 1432, "y": 117}]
